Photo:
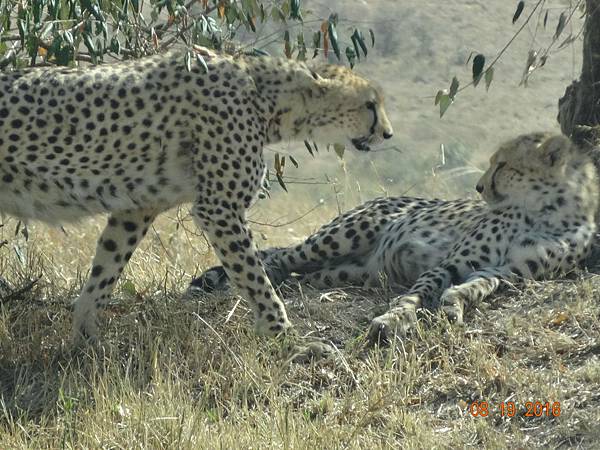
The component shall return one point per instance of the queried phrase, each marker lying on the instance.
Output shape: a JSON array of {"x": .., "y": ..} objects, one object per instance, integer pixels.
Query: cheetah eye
[{"x": 370, "y": 105}]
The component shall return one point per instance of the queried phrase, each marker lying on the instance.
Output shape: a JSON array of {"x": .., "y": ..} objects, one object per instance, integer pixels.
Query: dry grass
[{"x": 189, "y": 373}]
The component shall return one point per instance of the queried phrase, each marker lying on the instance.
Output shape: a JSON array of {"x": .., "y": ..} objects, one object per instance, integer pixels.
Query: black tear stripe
[{"x": 371, "y": 106}]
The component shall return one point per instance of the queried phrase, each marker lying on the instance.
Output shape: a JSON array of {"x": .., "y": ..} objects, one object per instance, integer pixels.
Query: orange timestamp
[{"x": 511, "y": 409}]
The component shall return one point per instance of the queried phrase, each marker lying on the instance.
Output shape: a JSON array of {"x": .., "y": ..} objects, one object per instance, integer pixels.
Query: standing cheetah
[
  {"x": 138, "y": 137},
  {"x": 537, "y": 221}
]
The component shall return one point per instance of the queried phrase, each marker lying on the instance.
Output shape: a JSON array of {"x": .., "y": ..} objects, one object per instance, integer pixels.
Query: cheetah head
[
  {"x": 346, "y": 108},
  {"x": 522, "y": 167}
]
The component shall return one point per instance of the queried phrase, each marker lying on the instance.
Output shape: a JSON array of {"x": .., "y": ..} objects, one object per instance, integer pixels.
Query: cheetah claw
[{"x": 385, "y": 328}]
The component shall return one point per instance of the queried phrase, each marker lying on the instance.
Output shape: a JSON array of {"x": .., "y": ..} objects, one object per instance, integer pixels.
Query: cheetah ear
[
  {"x": 554, "y": 150},
  {"x": 312, "y": 84},
  {"x": 315, "y": 75}
]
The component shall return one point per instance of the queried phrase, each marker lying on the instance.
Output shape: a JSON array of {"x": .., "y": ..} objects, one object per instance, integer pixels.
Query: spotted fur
[
  {"x": 136, "y": 138},
  {"x": 536, "y": 221}
]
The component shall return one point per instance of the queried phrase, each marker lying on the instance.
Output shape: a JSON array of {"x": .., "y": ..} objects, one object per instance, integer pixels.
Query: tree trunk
[{"x": 579, "y": 107}]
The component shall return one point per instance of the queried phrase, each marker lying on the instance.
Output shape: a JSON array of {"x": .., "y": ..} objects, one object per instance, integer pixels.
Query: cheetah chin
[{"x": 361, "y": 144}]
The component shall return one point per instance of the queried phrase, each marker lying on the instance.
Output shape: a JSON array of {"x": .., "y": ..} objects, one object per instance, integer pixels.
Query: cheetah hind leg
[
  {"x": 116, "y": 244},
  {"x": 212, "y": 280},
  {"x": 345, "y": 274},
  {"x": 216, "y": 279}
]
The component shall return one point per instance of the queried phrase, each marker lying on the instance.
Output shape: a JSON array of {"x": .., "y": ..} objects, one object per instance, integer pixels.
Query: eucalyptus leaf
[
  {"x": 339, "y": 149},
  {"x": 562, "y": 21},
  {"x": 478, "y": 64},
  {"x": 518, "y": 11},
  {"x": 333, "y": 37},
  {"x": 439, "y": 94},
  {"x": 202, "y": 62},
  {"x": 489, "y": 76},
  {"x": 445, "y": 102},
  {"x": 453, "y": 88},
  {"x": 281, "y": 182},
  {"x": 309, "y": 148}
]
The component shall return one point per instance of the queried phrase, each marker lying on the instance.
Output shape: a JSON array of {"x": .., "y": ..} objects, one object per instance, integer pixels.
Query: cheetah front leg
[
  {"x": 456, "y": 299},
  {"x": 346, "y": 238},
  {"x": 116, "y": 244},
  {"x": 232, "y": 241}
]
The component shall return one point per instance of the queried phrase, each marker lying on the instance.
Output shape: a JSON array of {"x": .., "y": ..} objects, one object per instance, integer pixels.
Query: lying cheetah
[
  {"x": 135, "y": 138},
  {"x": 537, "y": 221}
]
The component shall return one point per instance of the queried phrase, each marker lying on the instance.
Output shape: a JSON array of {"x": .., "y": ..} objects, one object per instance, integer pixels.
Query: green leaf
[
  {"x": 562, "y": 21},
  {"x": 478, "y": 64},
  {"x": 301, "y": 47},
  {"x": 489, "y": 76},
  {"x": 372, "y": 37},
  {"x": 281, "y": 182},
  {"x": 316, "y": 42},
  {"x": 354, "y": 40},
  {"x": 333, "y": 37},
  {"x": 295, "y": 12},
  {"x": 309, "y": 148},
  {"x": 445, "y": 102},
  {"x": 287, "y": 48},
  {"x": 202, "y": 62},
  {"x": 129, "y": 288},
  {"x": 453, "y": 88},
  {"x": 294, "y": 162},
  {"x": 277, "y": 14},
  {"x": 87, "y": 40},
  {"x": 232, "y": 14},
  {"x": 359, "y": 40},
  {"x": 518, "y": 12},
  {"x": 259, "y": 52},
  {"x": 115, "y": 45},
  {"x": 351, "y": 56},
  {"x": 188, "y": 61},
  {"x": 36, "y": 10},
  {"x": 439, "y": 94},
  {"x": 545, "y": 19},
  {"x": 250, "y": 22},
  {"x": 68, "y": 37}
]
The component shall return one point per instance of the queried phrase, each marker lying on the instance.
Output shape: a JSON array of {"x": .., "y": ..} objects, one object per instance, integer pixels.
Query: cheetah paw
[
  {"x": 393, "y": 324},
  {"x": 453, "y": 308},
  {"x": 214, "y": 279},
  {"x": 313, "y": 350},
  {"x": 265, "y": 327}
]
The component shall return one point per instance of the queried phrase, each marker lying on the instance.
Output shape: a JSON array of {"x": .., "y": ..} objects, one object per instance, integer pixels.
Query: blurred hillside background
[{"x": 420, "y": 46}]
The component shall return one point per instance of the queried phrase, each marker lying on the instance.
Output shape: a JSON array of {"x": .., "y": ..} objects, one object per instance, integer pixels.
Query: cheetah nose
[
  {"x": 387, "y": 135},
  {"x": 479, "y": 188}
]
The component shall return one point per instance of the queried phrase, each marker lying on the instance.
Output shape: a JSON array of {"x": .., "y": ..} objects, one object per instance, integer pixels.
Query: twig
[{"x": 21, "y": 291}]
